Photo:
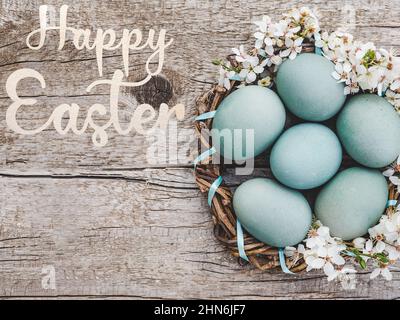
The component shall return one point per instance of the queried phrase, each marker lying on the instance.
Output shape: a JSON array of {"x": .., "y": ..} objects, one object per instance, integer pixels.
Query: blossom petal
[
  {"x": 277, "y": 60},
  {"x": 339, "y": 260},
  {"x": 298, "y": 42},
  {"x": 269, "y": 50},
  {"x": 318, "y": 263},
  {"x": 259, "y": 35},
  {"x": 258, "y": 69},
  {"x": 285, "y": 53},
  {"x": 293, "y": 55},
  {"x": 329, "y": 269},
  {"x": 395, "y": 180},
  {"x": 380, "y": 246},
  {"x": 251, "y": 77},
  {"x": 388, "y": 172},
  {"x": 236, "y": 51},
  {"x": 386, "y": 274},
  {"x": 359, "y": 243},
  {"x": 375, "y": 273},
  {"x": 322, "y": 252},
  {"x": 288, "y": 42}
]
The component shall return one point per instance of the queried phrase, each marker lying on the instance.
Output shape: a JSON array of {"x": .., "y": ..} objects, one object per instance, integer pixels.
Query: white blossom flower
[
  {"x": 338, "y": 273},
  {"x": 251, "y": 68},
  {"x": 364, "y": 49},
  {"x": 240, "y": 54},
  {"x": 262, "y": 32},
  {"x": 324, "y": 252},
  {"x": 383, "y": 271},
  {"x": 352, "y": 87},
  {"x": 393, "y": 253},
  {"x": 294, "y": 47},
  {"x": 325, "y": 258},
  {"x": 265, "y": 82},
  {"x": 322, "y": 39},
  {"x": 368, "y": 79},
  {"x": 392, "y": 169},
  {"x": 391, "y": 230},
  {"x": 274, "y": 60},
  {"x": 393, "y": 98},
  {"x": 295, "y": 253},
  {"x": 294, "y": 14},
  {"x": 279, "y": 29},
  {"x": 263, "y": 24},
  {"x": 225, "y": 77},
  {"x": 395, "y": 85},
  {"x": 377, "y": 233},
  {"x": 359, "y": 243},
  {"x": 342, "y": 72},
  {"x": 395, "y": 180},
  {"x": 269, "y": 46},
  {"x": 318, "y": 237}
]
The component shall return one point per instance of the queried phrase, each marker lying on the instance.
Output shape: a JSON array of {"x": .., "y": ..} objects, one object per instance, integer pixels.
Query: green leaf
[
  {"x": 361, "y": 262},
  {"x": 382, "y": 258}
]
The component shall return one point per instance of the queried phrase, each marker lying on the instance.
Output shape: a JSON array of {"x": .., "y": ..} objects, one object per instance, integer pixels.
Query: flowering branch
[
  {"x": 274, "y": 43},
  {"x": 361, "y": 66}
]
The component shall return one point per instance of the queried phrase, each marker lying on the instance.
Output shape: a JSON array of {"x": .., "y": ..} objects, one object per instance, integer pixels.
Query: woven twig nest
[{"x": 259, "y": 254}]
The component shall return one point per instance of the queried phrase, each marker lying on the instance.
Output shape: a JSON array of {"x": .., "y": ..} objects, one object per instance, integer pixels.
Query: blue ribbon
[
  {"x": 282, "y": 261},
  {"x": 240, "y": 241},
  {"x": 350, "y": 254},
  {"x": 204, "y": 156},
  {"x": 392, "y": 203},
  {"x": 206, "y": 116},
  {"x": 236, "y": 78},
  {"x": 213, "y": 189},
  {"x": 318, "y": 51}
]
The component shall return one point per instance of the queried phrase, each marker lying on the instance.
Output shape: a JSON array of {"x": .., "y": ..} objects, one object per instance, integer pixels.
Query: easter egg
[
  {"x": 306, "y": 156},
  {"x": 308, "y": 89},
  {"x": 272, "y": 213},
  {"x": 247, "y": 122},
  {"x": 352, "y": 202},
  {"x": 369, "y": 129}
]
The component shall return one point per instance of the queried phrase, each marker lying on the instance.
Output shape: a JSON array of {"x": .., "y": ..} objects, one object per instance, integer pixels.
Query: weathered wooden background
[{"x": 111, "y": 224}]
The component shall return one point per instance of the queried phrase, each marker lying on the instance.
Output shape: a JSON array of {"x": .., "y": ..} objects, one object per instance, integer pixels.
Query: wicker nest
[{"x": 260, "y": 255}]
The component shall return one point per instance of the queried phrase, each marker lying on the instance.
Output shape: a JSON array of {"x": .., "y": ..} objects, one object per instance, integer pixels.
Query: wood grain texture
[{"x": 112, "y": 224}]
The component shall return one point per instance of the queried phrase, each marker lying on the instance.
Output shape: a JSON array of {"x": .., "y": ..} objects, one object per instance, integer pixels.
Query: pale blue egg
[
  {"x": 247, "y": 122},
  {"x": 369, "y": 129},
  {"x": 352, "y": 202},
  {"x": 306, "y": 156},
  {"x": 307, "y": 88},
  {"x": 272, "y": 213}
]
